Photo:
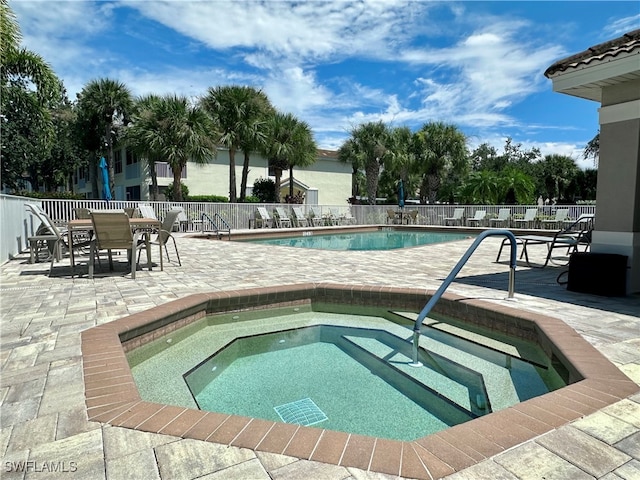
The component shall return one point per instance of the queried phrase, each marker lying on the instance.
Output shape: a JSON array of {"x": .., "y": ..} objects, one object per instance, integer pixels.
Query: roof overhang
[{"x": 586, "y": 74}]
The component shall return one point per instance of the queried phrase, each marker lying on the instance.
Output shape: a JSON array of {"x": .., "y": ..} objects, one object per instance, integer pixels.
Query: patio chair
[
  {"x": 477, "y": 219},
  {"x": 182, "y": 221},
  {"x": 349, "y": 219},
  {"x": 82, "y": 213},
  {"x": 504, "y": 216},
  {"x": 528, "y": 220},
  {"x": 561, "y": 215},
  {"x": 411, "y": 217},
  {"x": 391, "y": 216},
  {"x": 113, "y": 232},
  {"x": 263, "y": 219},
  {"x": 457, "y": 218},
  {"x": 281, "y": 217},
  {"x": 299, "y": 218},
  {"x": 577, "y": 235},
  {"x": 53, "y": 236},
  {"x": 163, "y": 237}
]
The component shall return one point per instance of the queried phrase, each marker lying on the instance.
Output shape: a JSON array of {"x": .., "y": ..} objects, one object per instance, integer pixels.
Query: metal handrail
[
  {"x": 216, "y": 229},
  {"x": 447, "y": 281}
]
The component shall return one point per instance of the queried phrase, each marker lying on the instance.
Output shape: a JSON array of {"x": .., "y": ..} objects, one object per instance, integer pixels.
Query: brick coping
[{"x": 112, "y": 397}]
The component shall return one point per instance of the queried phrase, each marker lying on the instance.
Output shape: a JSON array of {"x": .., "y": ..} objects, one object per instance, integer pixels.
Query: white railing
[{"x": 17, "y": 223}]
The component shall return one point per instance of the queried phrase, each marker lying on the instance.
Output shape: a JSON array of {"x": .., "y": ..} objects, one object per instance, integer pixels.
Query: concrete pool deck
[{"x": 44, "y": 416}]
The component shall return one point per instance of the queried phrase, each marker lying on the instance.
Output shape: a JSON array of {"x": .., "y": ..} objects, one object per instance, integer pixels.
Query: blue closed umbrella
[
  {"x": 401, "y": 194},
  {"x": 106, "y": 191}
]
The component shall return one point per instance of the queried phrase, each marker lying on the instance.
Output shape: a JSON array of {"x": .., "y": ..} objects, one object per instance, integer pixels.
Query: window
[
  {"x": 133, "y": 193},
  {"x": 131, "y": 158},
  {"x": 117, "y": 161}
]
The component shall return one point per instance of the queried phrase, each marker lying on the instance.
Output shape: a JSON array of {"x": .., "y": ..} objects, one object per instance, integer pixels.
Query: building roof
[
  {"x": 588, "y": 73},
  {"x": 626, "y": 44}
]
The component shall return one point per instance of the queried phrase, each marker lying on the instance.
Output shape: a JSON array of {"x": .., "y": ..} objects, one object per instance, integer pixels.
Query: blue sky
[{"x": 338, "y": 63}]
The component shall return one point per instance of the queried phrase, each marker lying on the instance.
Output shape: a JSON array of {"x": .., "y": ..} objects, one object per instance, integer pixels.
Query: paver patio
[{"x": 43, "y": 416}]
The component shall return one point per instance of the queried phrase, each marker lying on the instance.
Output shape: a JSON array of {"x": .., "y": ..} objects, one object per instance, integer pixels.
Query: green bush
[
  {"x": 169, "y": 191},
  {"x": 251, "y": 199},
  {"x": 61, "y": 195},
  {"x": 208, "y": 198}
]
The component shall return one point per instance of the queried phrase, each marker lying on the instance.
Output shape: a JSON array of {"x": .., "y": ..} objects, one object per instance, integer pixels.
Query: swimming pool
[
  {"x": 384, "y": 239},
  {"x": 327, "y": 367}
]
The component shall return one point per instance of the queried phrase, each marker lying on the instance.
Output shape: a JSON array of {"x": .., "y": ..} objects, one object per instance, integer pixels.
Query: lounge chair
[
  {"x": 147, "y": 211},
  {"x": 561, "y": 216},
  {"x": 281, "y": 217},
  {"x": 571, "y": 238},
  {"x": 53, "y": 236},
  {"x": 478, "y": 218},
  {"x": 263, "y": 219},
  {"x": 299, "y": 218},
  {"x": 163, "y": 237},
  {"x": 316, "y": 217},
  {"x": 113, "y": 232},
  {"x": 504, "y": 215},
  {"x": 528, "y": 220},
  {"x": 457, "y": 218},
  {"x": 335, "y": 217},
  {"x": 349, "y": 219}
]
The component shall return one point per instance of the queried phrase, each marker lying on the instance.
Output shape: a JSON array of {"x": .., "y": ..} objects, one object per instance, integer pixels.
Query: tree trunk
[
  {"x": 372, "y": 170},
  {"x": 433, "y": 185},
  {"x": 290, "y": 181},
  {"x": 112, "y": 171},
  {"x": 245, "y": 175},
  {"x": 232, "y": 175},
  {"x": 278, "y": 174},
  {"x": 177, "y": 187},
  {"x": 154, "y": 180}
]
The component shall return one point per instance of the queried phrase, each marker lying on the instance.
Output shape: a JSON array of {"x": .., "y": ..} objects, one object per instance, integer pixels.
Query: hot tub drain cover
[{"x": 302, "y": 412}]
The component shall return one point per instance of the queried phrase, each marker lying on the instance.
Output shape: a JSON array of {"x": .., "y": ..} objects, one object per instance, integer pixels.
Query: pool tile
[
  {"x": 387, "y": 456},
  {"x": 330, "y": 447},
  {"x": 303, "y": 442},
  {"x": 436, "y": 467},
  {"x": 187, "y": 419},
  {"x": 159, "y": 420},
  {"x": 253, "y": 434},
  {"x": 278, "y": 438},
  {"x": 229, "y": 429},
  {"x": 446, "y": 452},
  {"x": 469, "y": 442},
  {"x": 206, "y": 425},
  {"x": 358, "y": 452}
]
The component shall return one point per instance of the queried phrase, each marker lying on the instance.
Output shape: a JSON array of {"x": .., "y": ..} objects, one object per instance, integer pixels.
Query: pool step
[
  {"x": 521, "y": 352},
  {"x": 433, "y": 378},
  {"x": 495, "y": 386}
]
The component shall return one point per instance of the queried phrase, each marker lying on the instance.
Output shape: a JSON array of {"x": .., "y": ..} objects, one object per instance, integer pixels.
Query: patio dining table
[{"x": 144, "y": 225}]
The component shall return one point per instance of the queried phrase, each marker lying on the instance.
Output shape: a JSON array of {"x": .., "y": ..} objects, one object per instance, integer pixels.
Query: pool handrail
[
  {"x": 213, "y": 222},
  {"x": 447, "y": 281}
]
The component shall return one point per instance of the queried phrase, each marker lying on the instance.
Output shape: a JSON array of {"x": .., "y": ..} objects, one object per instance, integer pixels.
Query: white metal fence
[{"x": 17, "y": 223}]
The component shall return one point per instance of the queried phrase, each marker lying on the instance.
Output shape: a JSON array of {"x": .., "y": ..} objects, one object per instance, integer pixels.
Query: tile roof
[{"x": 627, "y": 43}]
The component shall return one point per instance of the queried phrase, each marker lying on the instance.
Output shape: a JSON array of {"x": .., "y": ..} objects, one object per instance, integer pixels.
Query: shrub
[
  {"x": 265, "y": 190},
  {"x": 208, "y": 198}
]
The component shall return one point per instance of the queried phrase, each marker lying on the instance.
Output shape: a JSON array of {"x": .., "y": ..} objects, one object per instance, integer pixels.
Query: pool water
[
  {"x": 341, "y": 371},
  {"x": 378, "y": 240}
]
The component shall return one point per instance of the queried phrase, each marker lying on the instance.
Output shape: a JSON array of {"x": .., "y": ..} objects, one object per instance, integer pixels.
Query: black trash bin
[{"x": 598, "y": 273}]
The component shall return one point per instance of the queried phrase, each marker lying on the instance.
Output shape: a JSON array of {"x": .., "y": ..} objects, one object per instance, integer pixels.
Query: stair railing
[
  {"x": 218, "y": 224},
  {"x": 447, "y": 281}
]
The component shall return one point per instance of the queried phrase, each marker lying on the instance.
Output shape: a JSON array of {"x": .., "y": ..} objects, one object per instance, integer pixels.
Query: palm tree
[
  {"x": 482, "y": 187},
  {"x": 289, "y": 142},
  {"x": 439, "y": 148},
  {"x": 171, "y": 129},
  {"x": 239, "y": 113},
  {"x": 368, "y": 146},
  {"x": 516, "y": 186},
  {"x": 104, "y": 108},
  {"x": 144, "y": 122},
  {"x": 347, "y": 153}
]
